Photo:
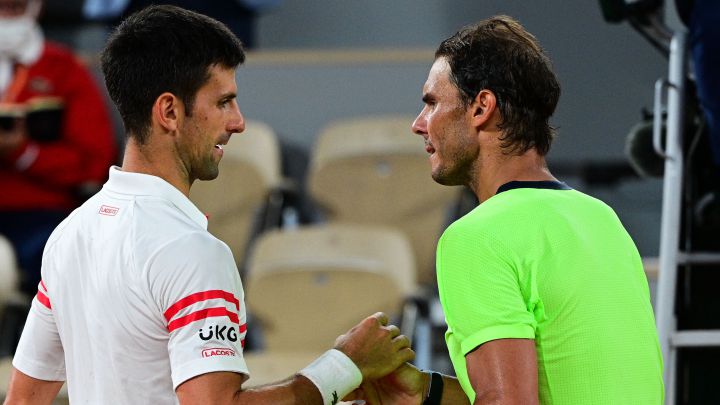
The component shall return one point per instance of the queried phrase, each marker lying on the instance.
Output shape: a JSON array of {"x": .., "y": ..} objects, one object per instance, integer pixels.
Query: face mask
[{"x": 15, "y": 32}]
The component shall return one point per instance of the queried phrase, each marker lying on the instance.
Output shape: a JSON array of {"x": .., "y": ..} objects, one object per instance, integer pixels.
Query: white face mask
[{"x": 15, "y": 32}]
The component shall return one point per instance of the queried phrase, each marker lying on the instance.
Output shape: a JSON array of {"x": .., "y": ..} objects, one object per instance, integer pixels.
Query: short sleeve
[
  {"x": 480, "y": 290},
  {"x": 40, "y": 352},
  {"x": 196, "y": 285}
]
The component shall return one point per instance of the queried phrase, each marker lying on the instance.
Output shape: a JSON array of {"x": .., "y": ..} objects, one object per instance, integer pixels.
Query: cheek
[{"x": 436, "y": 128}]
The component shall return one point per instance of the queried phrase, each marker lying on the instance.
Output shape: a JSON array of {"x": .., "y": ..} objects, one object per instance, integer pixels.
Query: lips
[
  {"x": 429, "y": 148},
  {"x": 223, "y": 141}
]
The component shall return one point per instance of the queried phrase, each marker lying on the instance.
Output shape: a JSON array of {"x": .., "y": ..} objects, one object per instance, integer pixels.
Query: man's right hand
[
  {"x": 405, "y": 386},
  {"x": 375, "y": 347}
]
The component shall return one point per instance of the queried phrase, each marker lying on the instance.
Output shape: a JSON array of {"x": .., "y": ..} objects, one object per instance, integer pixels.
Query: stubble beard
[
  {"x": 203, "y": 167},
  {"x": 209, "y": 169},
  {"x": 458, "y": 174},
  {"x": 457, "y": 169}
]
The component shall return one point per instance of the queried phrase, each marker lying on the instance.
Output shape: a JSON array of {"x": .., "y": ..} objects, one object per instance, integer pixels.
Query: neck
[
  {"x": 500, "y": 169},
  {"x": 155, "y": 160}
]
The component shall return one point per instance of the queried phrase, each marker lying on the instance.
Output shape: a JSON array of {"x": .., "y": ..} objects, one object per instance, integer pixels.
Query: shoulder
[
  {"x": 190, "y": 255},
  {"x": 73, "y": 222},
  {"x": 165, "y": 232},
  {"x": 588, "y": 207},
  {"x": 191, "y": 263},
  {"x": 199, "y": 244},
  {"x": 475, "y": 223},
  {"x": 480, "y": 235},
  {"x": 59, "y": 231}
]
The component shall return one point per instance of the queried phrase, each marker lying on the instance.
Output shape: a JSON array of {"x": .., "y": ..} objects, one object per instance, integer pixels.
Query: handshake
[
  {"x": 40, "y": 118},
  {"x": 378, "y": 372}
]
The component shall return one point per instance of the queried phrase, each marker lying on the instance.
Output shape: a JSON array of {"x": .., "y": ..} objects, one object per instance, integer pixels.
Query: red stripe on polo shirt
[
  {"x": 43, "y": 285},
  {"x": 202, "y": 314},
  {"x": 198, "y": 297},
  {"x": 43, "y": 299}
]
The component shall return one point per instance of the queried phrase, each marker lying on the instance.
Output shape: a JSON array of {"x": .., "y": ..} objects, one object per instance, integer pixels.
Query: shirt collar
[
  {"x": 152, "y": 186},
  {"x": 547, "y": 184}
]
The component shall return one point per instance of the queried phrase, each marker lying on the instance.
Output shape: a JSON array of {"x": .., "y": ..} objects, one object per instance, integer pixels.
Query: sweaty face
[
  {"x": 443, "y": 123},
  {"x": 215, "y": 116}
]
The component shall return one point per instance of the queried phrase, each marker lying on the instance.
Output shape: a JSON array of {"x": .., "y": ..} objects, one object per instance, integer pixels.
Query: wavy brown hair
[{"x": 499, "y": 55}]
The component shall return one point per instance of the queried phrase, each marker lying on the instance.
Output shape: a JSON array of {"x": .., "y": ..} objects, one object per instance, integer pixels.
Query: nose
[
  {"x": 236, "y": 125},
  {"x": 419, "y": 126}
]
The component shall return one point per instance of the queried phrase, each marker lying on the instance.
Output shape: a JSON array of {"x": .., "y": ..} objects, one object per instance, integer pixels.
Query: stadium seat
[
  {"x": 307, "y": 286},
  {"x": 375, "y": 171},
  {"x": 249, "y": 173}
]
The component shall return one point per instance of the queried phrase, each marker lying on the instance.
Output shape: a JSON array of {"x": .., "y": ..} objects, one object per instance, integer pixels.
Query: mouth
[
  {"x": 223, "y": 141},
  {"x": 429, "y": 148}
]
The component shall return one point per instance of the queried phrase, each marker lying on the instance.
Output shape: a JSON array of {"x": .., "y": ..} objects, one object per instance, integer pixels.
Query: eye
[
  {"x": 428, "y": 101},
  {"x": 224, "y": 103}
]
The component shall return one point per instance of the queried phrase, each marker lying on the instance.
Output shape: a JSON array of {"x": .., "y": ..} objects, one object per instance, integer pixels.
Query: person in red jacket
[{"x": 56, "y": 136}]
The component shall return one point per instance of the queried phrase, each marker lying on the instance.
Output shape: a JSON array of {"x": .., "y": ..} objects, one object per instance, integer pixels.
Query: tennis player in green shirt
[{"x": 542, "y": 288}]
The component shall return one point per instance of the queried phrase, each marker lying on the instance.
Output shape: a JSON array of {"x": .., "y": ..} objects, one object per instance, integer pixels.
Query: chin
[
  {"x": 444, "y": 181},
  {"x": 448, "y": 179},
  {"x": 208, "y": 174}
]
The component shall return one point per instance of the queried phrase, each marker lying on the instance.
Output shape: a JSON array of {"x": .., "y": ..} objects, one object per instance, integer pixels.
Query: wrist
[
  {"x": 427, "y": 379},
  {"x": 434, "y": 389},
  {"x": 334, "y": 374}
]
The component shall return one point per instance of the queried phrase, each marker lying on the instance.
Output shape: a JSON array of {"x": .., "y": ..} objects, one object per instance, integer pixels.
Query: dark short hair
[
  {"x": 499, "y": 55},
  {"x": 163, "y": 49}
]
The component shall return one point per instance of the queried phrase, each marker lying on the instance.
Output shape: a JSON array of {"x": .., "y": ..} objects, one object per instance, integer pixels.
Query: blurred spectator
[
  {"x": 56, "y": 140},
  {"x": 239, "y": 15}
]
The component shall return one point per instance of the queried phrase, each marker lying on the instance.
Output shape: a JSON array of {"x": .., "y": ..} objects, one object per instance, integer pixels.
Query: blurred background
[{"x": 317, "y": 61}]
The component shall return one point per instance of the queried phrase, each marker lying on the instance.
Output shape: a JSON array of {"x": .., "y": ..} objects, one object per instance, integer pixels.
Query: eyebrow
[{"x": 228, "y": 96}]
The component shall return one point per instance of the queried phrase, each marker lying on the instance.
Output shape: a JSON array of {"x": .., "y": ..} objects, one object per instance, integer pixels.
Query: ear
[
  {"x": 482, "y": 108},
  {"x": 166, "y": 111}
]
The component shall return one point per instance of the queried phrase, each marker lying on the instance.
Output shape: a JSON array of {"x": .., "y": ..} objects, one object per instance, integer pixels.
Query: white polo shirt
[{"x": 136, "y": 298}]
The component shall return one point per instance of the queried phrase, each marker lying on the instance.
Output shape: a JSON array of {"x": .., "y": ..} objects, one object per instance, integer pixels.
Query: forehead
[{"x": 438, "y": 81}]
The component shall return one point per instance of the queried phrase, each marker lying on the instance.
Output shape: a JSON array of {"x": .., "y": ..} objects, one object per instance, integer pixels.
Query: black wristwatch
[{"x": 434, "y": 395}]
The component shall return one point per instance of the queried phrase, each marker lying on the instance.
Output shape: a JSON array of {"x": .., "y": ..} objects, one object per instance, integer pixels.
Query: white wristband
[{"x": 334, "y": 374}]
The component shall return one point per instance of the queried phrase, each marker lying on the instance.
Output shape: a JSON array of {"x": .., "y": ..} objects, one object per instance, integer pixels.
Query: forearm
[
  {"x": 295, "y": 390},
  {"x": 452, "y": 392},
  {"x": 26, "y": 390},
  {"x": 321, "y": 382},
  {"x": 370, "y": 350}
]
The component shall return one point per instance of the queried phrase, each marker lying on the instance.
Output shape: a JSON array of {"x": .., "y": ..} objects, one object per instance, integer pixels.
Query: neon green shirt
[{"x": 541, "y": 261}]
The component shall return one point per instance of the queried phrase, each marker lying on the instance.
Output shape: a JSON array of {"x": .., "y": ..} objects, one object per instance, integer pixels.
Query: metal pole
[{"x": 671, "y": 211}]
